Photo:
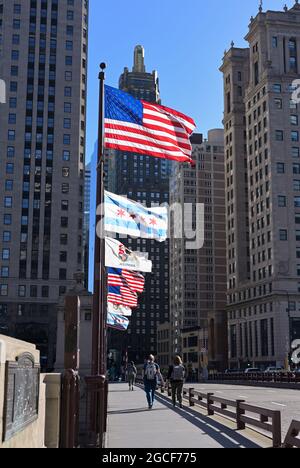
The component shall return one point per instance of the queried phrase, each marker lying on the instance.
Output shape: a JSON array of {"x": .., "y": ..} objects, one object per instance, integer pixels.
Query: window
[
  {"x": 297, "y": 185},
  {"x": 281, "y": 201},
  {"x": 6, "y": 236},
  {"x": 66, "y": 156},
  {"x": 67, "y": 123},
  {"x": 67, "y": 107},
  {"x": 22, "y": 291},
  {"x": 283, "y": 235},
  {"x": 67, "y": 139},
  {"x": 274, "y": 42},
  {"x": 66, "y": 172},
  {"x": 68, "y": 76},
  {"x": 278, "y": 103},
  {"x": 68, "y": 60},
  {"x": 10, "y": 151},
  {"x": 277, "y": 88},
  {"x": 3, "y": 289},
  {"x": 11, "y": 135},
  {"x": 295, "y": 136},
  {"x": 45, "y": 291},
  {"x": 7, "y": 219},
  {"x": 8, "y": 202},
  {"x": 279, "y": 135},
  {"x": 297, "y": 202},
  {"x": 4, "y": 272},
  {"x": 294, "y": 119},
  {"x": 295, "y": 152},
  {"x": 5, "y": 254},
  {"x": 280, "y": 168}
]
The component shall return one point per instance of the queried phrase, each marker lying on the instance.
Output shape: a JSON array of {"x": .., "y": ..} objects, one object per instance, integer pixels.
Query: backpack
[
  {"x": 151, "y": 371},
  {"x": 178, "y": 373},
  {"x": 131, "y": 370}
]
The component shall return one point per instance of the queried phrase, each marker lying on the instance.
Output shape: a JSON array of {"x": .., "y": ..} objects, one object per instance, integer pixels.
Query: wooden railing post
[
  {"x": 240, "y": 412},
  {"x": 191, "y": 403},
  {"x": 210, "y": 412}
]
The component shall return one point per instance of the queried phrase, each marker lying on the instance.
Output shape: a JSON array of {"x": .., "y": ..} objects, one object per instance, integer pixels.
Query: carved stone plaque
[{"x": 22, "y": 383}]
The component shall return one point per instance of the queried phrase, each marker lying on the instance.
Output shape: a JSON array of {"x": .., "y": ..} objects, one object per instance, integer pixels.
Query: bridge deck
[{"x": 132, "y": 425}]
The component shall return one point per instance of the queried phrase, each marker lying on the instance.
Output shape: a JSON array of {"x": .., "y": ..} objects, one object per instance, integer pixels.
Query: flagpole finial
[{"x": 103, "y": 66}]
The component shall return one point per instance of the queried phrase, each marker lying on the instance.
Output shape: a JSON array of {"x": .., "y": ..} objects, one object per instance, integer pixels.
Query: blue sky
[{"x": 184, "y": 41}]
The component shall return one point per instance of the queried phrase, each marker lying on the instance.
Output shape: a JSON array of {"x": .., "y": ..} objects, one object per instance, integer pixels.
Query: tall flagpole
[{"x": 97, "y": 383}]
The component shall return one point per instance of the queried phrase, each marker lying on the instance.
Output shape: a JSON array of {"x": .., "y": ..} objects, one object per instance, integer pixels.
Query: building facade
[
  {"x": 262, "y": 146},
  {"x": 86, "y": 222},
  {"x": 42, "y": 140},
  {"x": 198, "y": 275},
  {"x": 146, "y": 180}
]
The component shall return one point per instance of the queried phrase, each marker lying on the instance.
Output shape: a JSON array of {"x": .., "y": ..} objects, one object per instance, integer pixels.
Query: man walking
[{"x": 151, "y": 375}]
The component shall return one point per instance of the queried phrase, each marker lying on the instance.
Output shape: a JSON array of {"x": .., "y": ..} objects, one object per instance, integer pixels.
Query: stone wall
[{"x": 44, "y": 430}]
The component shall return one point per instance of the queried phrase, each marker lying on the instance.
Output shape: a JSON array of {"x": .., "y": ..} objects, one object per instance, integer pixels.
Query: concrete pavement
[{"x": 132, "y": 425}]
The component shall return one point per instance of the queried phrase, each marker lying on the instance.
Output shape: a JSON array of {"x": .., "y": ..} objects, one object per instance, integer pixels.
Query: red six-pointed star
[
  {"x": 121, "y": 213},
  {"x": 153, "y": 222}
]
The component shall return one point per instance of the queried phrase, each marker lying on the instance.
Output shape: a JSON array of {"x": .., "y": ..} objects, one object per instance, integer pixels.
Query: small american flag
[{"x": 140, "y": 127}]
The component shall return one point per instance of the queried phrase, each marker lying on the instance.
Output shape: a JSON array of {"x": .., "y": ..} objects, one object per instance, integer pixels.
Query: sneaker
[{"x": 181, "y": 405}]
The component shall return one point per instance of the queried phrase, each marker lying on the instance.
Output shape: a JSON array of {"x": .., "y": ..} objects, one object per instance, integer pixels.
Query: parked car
[
  {"x": 274, "y": 370},
  {"x": 232, "y": 371},
  {"x": 252, "y": 370}
]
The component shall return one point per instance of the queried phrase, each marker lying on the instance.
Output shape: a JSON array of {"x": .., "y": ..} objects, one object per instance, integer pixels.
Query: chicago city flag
[
  {"x": 119, "y": 256},
  {"x": 118, "y": 322},
  {"x": 140, "y": 127},
  {"x": 128, "y": 217}
]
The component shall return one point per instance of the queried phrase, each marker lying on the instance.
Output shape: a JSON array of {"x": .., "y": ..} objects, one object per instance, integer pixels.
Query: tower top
[{"x": 139, "y": 60}]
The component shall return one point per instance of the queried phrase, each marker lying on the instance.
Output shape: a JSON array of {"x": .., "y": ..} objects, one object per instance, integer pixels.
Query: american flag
[
  {"x": 122, "y": 295},
  {"x": 141, "y": 127},
  {"x": 131, "y": 279}
]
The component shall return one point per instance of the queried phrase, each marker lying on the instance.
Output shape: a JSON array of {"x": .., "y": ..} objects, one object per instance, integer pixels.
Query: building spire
[{"x": 139, "y": 60}]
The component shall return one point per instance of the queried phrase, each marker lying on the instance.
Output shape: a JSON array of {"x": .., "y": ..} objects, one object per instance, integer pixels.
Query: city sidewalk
[{"x": 132, "y": 425}]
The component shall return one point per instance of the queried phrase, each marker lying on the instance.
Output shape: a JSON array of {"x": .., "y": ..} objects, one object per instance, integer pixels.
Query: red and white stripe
[
  {"x": 127, "y": 298},
  {"x": 165, "y": 133},
  {"x": 135, "y": 281}
]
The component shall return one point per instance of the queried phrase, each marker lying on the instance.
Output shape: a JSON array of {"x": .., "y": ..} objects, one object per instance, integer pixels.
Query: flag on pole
[
  {"x": 119, "y": 309},
  {"x": 122, "y": 295},
  {"x": 141, "y": 127},
  {"x": 128, "y": 217},
  {"x": 119, "y": 256},
  {"x": 118, "y": 322},
  {"x": 117, "y": 277}
]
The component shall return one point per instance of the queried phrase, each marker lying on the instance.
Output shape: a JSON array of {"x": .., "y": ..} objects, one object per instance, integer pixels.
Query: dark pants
[
  {"x": 131, "y": 380},
  {"x": 177, "y": 389},
  {"x": 150, "y": 388}
]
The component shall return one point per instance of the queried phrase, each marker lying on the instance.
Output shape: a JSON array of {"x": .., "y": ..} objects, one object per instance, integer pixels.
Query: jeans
[
  {"x": 177, "y": 388},
  {"x": 150, "y": 388}
]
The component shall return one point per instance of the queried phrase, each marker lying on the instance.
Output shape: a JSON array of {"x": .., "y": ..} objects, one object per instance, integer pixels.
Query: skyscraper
[
  {"x": 42, "y": 140},
  {"x": 146, "y": 180},
  {"x": 198, "y": 276},
  {"x": 262, "y": 190}
]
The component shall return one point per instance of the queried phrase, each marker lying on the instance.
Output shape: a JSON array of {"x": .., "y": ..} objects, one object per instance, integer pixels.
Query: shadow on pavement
[
  {"x": 137, "y": 410},
  {"x": 226, "y": 437}
]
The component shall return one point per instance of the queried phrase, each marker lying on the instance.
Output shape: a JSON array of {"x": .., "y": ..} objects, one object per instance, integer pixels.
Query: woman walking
[
  {"x": 131, "y": 375},
  {"x": 176, "y": 376}
]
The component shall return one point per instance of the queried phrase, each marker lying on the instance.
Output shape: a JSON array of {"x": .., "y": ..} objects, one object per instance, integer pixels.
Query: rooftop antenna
[{"x": 260, "y": 6}]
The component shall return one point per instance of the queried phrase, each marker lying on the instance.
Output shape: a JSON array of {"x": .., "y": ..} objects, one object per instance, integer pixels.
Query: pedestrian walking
[
  {"x": 151, "y": 375},
  {"x": 131, "y": 372},
  {"x": 176, "y": 376}
]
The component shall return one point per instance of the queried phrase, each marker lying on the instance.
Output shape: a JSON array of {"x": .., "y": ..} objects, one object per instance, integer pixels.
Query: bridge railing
[
  {"x": 243, "y": 414},
  {"x": 292, "y": 439}
]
